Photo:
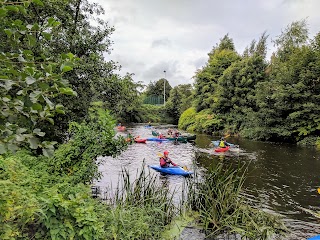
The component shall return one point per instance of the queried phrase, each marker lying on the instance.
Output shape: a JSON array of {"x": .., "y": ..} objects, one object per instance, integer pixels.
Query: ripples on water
[{"x": 281, "y": 178}]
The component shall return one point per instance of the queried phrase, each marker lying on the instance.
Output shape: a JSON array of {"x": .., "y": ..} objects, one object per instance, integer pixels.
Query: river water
[{"x": 282, "y": 178}]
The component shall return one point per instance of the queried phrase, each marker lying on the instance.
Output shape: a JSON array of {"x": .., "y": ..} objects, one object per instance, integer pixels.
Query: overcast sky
[{"x": 176, "y": 35}]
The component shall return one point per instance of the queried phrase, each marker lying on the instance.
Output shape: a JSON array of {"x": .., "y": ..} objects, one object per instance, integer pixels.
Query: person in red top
[{"x": 165, "y": 161}]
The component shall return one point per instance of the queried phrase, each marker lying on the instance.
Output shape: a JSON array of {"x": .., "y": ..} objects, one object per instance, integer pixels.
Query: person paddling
[
  {"x": 223, "y": 143},
  {"x": 165, "y": 161}
]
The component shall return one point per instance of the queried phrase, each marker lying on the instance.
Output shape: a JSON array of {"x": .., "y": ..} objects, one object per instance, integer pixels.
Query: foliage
[
  {"x": 217, "y": 197},
  {"x": 37, "y": 206},
  {"x": 157, "y": 88},
  {"x": 153, "y": 114},
  {"x": 121, "y": 97},
  {"x": 187, "y": 118},
  {"x": 275, "y": 101},
  {"x": 288, "y": 102},
  {"x": 90, "y": 139},
  {"x": 143, "y": 207},
  {"x": 206, "y": 79},
  {"x": 179, "y": 101},
  {"x": 84, "y": 33},
  {"x": 203, "y": 121},
  {"x": 30, "y": 77}
]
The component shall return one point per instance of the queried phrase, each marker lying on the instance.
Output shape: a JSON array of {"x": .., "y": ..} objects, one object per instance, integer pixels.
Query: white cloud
[{"x": 153, "y": 36}]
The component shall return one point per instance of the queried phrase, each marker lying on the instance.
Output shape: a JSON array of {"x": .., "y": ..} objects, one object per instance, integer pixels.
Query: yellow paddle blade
[
  {"x": 185, "y": 168},
  {"x": 160, "y": 154},
  {"x": 319, "y": 190}
]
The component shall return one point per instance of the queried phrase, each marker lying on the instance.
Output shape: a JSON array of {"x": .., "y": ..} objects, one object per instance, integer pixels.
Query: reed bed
[
  {"x": 141, "y": 207},
  {"x": 222, "y": 209}
]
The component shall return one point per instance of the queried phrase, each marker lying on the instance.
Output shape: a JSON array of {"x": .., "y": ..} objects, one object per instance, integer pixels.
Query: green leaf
[
  {"x": 48, "y": 152},
  {"x": 47, "y": 36},
  {"x": 38, "y": 132},
  {"x": 51, "y": 120},
  {"x": 30, "y": 80},
  {"x": 31, "y": 40},
  {"x": 21, "y": 130},
  {"x": 67, "y": 91},
  {"x": 60, "y": 109},
  {"x": 12, "y": 147},
  {"x": 3, "y": 12},
  {"x": 34, "y": 142},
  {"x": 30, "y": 70},
  {"x": 37, "y": 106},
  {"x": 20, "y": 138},
  {"x": 8, "y": 84},
  {"x": 5, "y": 99},
  {"x": 22, "y": 9},
  {"x": 21, "y": 59},
  {"x": 70, "y": 56},
  {"x": 65, "y": 68},
  {"x": 2, "y": 148},
  {"x": 34, "y": 96},
  {"x": 9, "y": 32},
  {"x": 26, "y": 4},
  {"x": 12, "y": 8},
  {"x": 49, "y": 103},
  {"x": 51, "y": 21},
  {"x": 56, "y": 23},
  {"x": 38, "y": 2}
]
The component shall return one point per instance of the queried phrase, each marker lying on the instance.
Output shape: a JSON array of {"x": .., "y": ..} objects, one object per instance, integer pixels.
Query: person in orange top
[{"x": 165, "y": 161}]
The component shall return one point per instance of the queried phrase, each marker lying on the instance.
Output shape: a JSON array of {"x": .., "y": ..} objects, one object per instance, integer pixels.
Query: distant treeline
[{"x": 246, "y": 94}]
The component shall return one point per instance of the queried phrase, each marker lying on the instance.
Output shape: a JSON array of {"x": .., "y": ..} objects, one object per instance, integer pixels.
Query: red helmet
[{"x": 165, "y": 152}]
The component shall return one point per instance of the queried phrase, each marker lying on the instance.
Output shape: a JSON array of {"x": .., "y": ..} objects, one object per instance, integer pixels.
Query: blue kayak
[
  {"x": 315, "y": 238},
  {"x": 157, "y": 139},
  {"x": 171, "y": 170}
]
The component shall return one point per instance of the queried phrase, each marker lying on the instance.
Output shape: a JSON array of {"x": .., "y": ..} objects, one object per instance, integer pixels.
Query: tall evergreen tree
[{"x": 206, "y": 79}]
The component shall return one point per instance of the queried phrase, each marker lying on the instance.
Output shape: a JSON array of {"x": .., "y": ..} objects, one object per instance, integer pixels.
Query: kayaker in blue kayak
[
  {"x": 165, "y": 161},
  {"x": 223, "y": 143}
]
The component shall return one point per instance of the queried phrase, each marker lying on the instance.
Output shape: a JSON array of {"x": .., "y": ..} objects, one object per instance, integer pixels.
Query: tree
[
  {"x": 30, "y": 78},
  {"x": 288, "y": 103},
  {"x": 179, "y": 101},
  {"x": 157, "y": 88},
  {"x": 206, "y": 79}
]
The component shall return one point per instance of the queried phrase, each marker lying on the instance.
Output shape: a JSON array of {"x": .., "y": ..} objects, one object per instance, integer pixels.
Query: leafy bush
[
  {"x": 187, "y": 118},
  {"x": 90, "y": 139},
  {"x": 153, "y": 113},
  {"x": 203, "y": 121}
]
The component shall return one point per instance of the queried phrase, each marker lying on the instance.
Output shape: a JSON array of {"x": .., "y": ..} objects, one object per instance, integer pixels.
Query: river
[{"x": 281, "y": 179}]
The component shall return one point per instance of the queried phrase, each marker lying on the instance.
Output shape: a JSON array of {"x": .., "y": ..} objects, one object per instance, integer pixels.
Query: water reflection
[{"x": 281, "y": 177}]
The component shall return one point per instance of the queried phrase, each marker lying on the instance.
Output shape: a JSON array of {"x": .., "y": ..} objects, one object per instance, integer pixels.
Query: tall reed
[
  {"x": 222, "y": 209},
  {"x": 141, "y": 206}
]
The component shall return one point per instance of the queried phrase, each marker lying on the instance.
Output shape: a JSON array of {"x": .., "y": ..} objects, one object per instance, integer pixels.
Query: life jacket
[
  {"x": 163, "y": 162},
  {"x": 222, "y": 144}
]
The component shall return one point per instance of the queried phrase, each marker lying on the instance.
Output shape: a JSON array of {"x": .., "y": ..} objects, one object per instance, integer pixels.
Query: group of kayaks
[
  {"x": 173, "y": 170},
  {"x": 180, "y": 138}
]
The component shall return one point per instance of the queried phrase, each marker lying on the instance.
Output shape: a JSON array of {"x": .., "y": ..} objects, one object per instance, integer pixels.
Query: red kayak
[
  {"x": 121, "y": 128},
  {"x": 222, "y": 149},
  {"x": 140, "y": 140}
]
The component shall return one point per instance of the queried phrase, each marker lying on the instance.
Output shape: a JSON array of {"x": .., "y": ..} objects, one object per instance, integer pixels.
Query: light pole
[{"x": 164, "y": 88}]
